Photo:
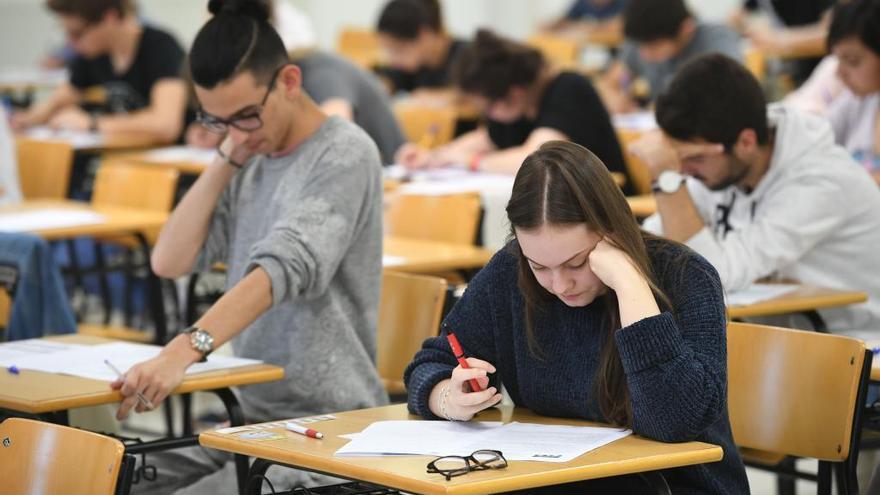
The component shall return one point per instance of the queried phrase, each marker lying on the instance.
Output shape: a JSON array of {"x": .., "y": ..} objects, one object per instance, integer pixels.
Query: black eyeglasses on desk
[{"x": 456, "y": 465}]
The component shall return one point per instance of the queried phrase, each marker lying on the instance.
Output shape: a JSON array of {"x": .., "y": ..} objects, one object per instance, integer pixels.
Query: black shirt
[
  {"x": 425, "y": 77},
  {"x": 795, "y": 12},
  {"x": 571, "y": 106},
  {"x": 158, "y": 56}
]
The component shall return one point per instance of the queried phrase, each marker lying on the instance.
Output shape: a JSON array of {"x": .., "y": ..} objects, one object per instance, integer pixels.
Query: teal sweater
[{"x": 675, "y": 364}]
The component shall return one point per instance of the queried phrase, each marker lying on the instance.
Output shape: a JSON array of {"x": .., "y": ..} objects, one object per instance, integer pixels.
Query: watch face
[
  {"x": 669, "y": 181},
  {"x": 202, "y": 340}
]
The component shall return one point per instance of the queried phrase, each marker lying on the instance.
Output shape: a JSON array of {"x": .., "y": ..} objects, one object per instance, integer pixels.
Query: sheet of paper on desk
[
  {"x": 13, "y": 352},
  {"x": 389, "y": 260},
  {"x": 77, "y": 139},
  {"x": 49, "y": 218},
  {"x": 635, "y": 121},
  {"x": 88, "y": 361},
  {"x": 517, "y": 441},
  {"x": 182, "y": 154},
  {"x": 756, "y": 293},
  {"x": 452, "y": 180}
]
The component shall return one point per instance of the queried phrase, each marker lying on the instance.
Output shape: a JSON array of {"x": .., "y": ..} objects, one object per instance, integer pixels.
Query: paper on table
[
  {"x": 77, "y": 139},
  {"x": 49, "y": 218},
  {"x": 182, "y": 154},
  {"x": 88, "y": 361},
  {"x": 517, "y": 441},
  {"x": 13, "y": 352},
  {"x": 756, "y": 293},
  {"x": 389, "y": 260},
  {"x": 635, "y": 121}
]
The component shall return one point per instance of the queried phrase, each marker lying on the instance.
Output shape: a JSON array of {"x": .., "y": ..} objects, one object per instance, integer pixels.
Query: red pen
[
  {"x": 459, "y": 355},
  {"x": 302, "y": 430}
]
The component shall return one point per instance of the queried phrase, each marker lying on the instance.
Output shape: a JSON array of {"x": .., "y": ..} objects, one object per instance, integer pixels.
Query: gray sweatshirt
[{"x": 312, "y": 220}]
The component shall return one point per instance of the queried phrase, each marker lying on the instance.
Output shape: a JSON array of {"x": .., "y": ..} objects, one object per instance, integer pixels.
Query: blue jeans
[{"x": 39, "y": 302}]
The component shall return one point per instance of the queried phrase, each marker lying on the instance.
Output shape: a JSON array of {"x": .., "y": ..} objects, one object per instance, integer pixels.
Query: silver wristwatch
[
  {"x": 200, "y": 340},
  {"x": 669, "y": 181}
]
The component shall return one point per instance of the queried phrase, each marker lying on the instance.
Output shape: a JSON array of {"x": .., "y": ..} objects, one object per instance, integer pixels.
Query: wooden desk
[
  {"x": 625, "y": 456},
  {"x": 643, "y": 205},
  {"x": 184, "y": 166},
  {"x": 421, "y": 256},
  {"x": 806, "y": 300},
  {"x": 116, "y": 220}
]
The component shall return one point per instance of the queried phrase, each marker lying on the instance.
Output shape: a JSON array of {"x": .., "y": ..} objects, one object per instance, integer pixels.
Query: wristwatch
[
  {"x": 200, "y": 340},
  {"x": 669, "y": 181}
]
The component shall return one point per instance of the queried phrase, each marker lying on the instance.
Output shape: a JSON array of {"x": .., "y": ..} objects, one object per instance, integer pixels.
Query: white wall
[{"x": 27, "y": 30}]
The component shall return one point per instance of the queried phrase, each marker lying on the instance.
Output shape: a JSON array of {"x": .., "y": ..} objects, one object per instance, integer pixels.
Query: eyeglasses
[
  {"x": 455, "y": 465},
  {"x": 75, "y": 35},
  {"x": 247, "y": 120}
]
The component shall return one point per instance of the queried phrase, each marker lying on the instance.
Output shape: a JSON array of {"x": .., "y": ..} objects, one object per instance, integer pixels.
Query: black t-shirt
[
  {"x": 425, "y": 77},
  {"x": 795, "y": 12},
  {"x": 158, "y": 56},
  {"x": 571, "y": 106}
]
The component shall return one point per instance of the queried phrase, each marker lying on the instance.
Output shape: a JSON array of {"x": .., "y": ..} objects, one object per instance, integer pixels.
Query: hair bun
[{"x": 257, "y": 9}]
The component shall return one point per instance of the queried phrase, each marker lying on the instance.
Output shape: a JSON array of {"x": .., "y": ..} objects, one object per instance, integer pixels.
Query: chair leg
[
  {"x": 127, "y": 303},
  {"x": 824, "y": 487},
  {"x": 104, "y": 284},
  {"x": 785, "y": 485},
  {"x": 75, "y": 273}
]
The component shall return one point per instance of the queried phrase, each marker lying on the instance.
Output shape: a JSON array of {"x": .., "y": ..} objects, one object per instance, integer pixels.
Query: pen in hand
[{"x": 143, "y": 400}]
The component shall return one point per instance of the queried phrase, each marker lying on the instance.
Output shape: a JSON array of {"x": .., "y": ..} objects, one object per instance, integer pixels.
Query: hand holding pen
[
  {"x": 140, "y": 397},
  {"x": 466, "y": 392}
]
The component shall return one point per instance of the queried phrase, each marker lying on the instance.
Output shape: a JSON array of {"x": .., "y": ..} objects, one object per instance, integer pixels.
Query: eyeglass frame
[
  {"x": 431, "y": 468},
  {"x": 207, "y": 120}
]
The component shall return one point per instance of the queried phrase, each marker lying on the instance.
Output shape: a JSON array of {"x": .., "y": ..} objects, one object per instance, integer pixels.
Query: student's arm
[
  {"x": 63, "y": 96},
  {"x": 163, "y": 118},
  {"x": 458, "y": 152},
  {"x": 508, "y": 161},
  {"x": 612, "y": 89},
  {"x": 809, "y": 40}
]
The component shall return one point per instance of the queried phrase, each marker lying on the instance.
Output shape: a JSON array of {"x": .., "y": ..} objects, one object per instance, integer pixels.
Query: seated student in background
[
  {"x": 293, "y": 206},
  {"x": 661, "y": 35},
  {"x": 585, "y": 16},
  {"x": 420, "y": 53},
  {"x": 854, "y": 37},
  {"x": 584, "y": 315},
  {"x": 772, "y": 197},
  {"x": 526, "y": 103},
  {"x": 341, "y": 89},
  {"x": 10, "y": 191},
  {"x": 137, "y": 67}
]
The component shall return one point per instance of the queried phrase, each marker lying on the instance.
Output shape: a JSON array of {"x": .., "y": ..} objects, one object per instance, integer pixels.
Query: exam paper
[
  {"x": 49, "y": 218},
  {"x": 517, "y": 441},
  {"x": 182, "y": 154},
  {"x": 88, "y": 361},
  {"x": 77, "y": 139},
  {"x": 756, "y": 293},
  {"x": 13, "y": 352}
]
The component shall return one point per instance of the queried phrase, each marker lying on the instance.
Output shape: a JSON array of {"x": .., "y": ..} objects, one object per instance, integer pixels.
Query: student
[
  {"x": 420, "y": 52},
  {"x": 341, "y": 89},
  {"x": 583, "y": 315},
  {"x": 661, "y": 36},
  {"x": 137, "y": 66},
  {"x": 293, "y": 206},
  {"x": 10, "y": 191},
  {"x": 586, "y": 16},
  {"x": 526, "y": 103},
  {"x": 854, "y": 37},
  {"x": 772, "y": 195}
]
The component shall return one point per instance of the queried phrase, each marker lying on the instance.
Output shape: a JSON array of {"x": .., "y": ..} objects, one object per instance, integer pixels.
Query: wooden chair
[
  {"x": 409, "y": 312},
  {"x": 452, "y": 218},
  {"x": 5, "y": 309},
  {"x": 557, "y": 50},
  {"x": 39, "y": 458},
  {"x": 361, "y": 46},
  {"x": 44, "y": 168},
  {"x": 636, "y": 169},
  {"x": 754, "y": 60},
  {"x": 427, "y": 126},
  {"x": 797, "y": 393}
]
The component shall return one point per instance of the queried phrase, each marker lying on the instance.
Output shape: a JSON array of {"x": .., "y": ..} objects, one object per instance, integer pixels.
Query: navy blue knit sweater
[{"x": 675, "y": 365}]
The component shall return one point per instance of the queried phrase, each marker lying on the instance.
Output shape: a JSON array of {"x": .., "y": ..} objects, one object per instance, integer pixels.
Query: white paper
[
  {"x": 13, "y": 352},
  {"x": 88, "y": 361},
  {"x": 32, "y": 76},
  {"x": 77, "y": 139},
  {"x": 182, "y": 154},
  {"x": 756, "y": 293},
  {"x": 389, "y": 260},
  {"x": 517, "y": 441},
  {"x": 48, "y": 218},
  {"x": 635, "y": 121}
]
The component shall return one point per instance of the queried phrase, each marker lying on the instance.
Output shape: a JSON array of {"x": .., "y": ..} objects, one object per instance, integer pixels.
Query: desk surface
[
  {"x": 37, "y": 392},
  {"x": 422, "y": 256},
  {"x": 804, "y": 298},
  {"x": 116, "y": 220},
  {"x": 184, "y": 166},
  {"x": 643, "y": 205},
  {"x": 628, "y": 455}
]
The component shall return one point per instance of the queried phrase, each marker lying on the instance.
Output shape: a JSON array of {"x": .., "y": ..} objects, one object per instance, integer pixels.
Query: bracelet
[
  {"x": 444, "y": 395},
  {"x": 228, "y": 160}
]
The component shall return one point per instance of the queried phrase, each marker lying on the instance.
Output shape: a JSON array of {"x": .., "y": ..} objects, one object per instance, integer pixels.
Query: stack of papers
[
  {"x": 517, "y": 441},
  {"x": 13, "y": 352},
  {"x": 182, "y": 154},
  {"x": 756, "y": 293},
  {"x": 87, "y": 361},
  {"x": 77, "y": 139},
  {"x": 49, "y": 218}
]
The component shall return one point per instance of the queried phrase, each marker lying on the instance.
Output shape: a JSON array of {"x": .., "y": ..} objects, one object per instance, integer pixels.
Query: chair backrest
[
  {"x": 44, "y": 168},
  {"x": 5, "y": 308},
  {"x": 361, "y": 46},
  {"x": 426, "y": 125},
  {"x": 794, "y": 392},
  {"x": 756, "y": 63},
  {"x": 556, "y": 49},
  {"x": 135, "y": 186},
  {"x": 39, "y": 458},
  {"x": 637, "y": 170},
  {"x": 409, "y": 312},
  {"x": 452, "y": 218}
]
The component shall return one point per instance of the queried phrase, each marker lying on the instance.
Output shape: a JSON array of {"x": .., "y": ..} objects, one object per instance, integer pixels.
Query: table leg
[
  {"x": 236, "y": 418},
  {"x": 255, "y": 477},
  {"x": 657, "y": 482},
  {"x": 157, "y": 304},
  {"x": 816, "y": 320},
  {"x": 126, "y": 475}
]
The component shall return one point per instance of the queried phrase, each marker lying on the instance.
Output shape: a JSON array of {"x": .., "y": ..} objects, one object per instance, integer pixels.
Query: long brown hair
[{"x": 563, "y": 183}]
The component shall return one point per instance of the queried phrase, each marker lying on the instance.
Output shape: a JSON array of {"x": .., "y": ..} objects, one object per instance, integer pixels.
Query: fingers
[
  {"x": 117, "y": 384},
  {"x": 125, "y": 407},
  {"x": 479, "y": 363},
  {"x": 461, "y": 375},
  {"x": 472, "y": 399}
]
